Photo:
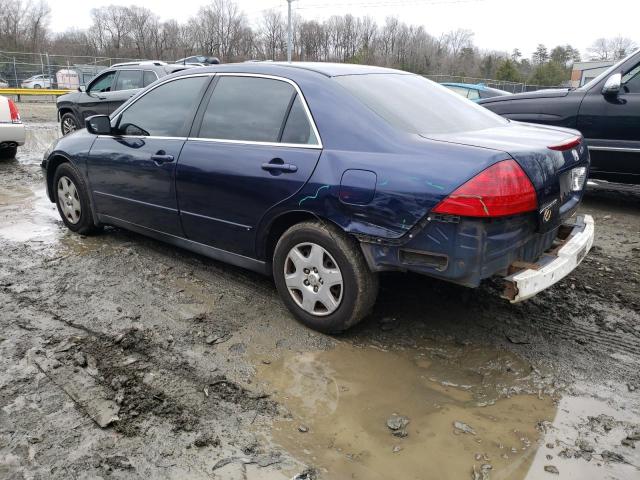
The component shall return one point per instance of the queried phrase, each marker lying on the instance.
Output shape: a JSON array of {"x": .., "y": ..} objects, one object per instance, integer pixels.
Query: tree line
[{"x": 222, "y": 29}]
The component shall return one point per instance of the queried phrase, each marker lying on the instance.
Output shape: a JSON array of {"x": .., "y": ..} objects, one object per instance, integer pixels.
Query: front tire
[
  {"x": 68, "y": 123},
  {"x": 322, "y": 277},
  {"x": 72, "y": 199}
]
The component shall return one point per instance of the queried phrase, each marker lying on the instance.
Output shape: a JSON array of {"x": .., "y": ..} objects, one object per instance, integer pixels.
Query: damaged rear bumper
[{"x": 553, "y": 265}]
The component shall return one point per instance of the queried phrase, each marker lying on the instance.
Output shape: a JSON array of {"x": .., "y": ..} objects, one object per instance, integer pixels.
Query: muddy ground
[{"x": 122, "y": 357}]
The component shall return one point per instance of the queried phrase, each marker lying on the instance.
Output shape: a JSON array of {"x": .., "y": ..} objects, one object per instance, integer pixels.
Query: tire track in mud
[
  {"x": 195, "y": 420},
  {"x": 124, "y": 361}
]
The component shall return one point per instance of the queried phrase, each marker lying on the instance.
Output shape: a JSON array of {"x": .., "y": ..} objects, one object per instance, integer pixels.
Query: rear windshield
[{"x": 417, "y": 105}]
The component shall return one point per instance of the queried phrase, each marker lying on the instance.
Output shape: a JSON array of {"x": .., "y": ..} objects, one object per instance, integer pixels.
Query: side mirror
[
  {"x": 81, "y": 88},
  {"x": 612, "y": 85},
  {"x": 98, "y": 125}
]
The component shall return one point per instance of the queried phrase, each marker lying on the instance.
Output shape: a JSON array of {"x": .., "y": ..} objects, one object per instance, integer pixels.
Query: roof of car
[
  {"x": 338, "y": 69},
  {"x": 326, "y": 69}
]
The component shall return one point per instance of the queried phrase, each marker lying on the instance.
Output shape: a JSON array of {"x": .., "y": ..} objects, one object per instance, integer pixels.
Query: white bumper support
[{"x": 552, "y": 267}]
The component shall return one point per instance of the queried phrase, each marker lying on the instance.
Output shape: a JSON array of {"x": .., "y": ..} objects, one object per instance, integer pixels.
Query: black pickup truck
[{"x": 606, "y": 110}]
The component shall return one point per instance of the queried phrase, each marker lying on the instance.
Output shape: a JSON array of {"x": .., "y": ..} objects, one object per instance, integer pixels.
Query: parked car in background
[
  {"x": 3, "y": 83},
  {"x": 12, "y": 132},
  {"x": 606, "y": 110},
  {"x": 38, "y": 81},
  {"x": 315, "y": 174},
  {"x": 476, "y": 91},
  {"x": 77, "y": 76},
  {"x": 108, "y": 91},
  {"x": 198, "y": 60}
]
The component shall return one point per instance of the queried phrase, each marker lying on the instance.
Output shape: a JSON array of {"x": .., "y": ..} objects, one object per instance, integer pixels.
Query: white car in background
[
  {"x": 3, "y": 83},
  {"x": 12, "y": 131},
  {"x": 37, "y": 81}
]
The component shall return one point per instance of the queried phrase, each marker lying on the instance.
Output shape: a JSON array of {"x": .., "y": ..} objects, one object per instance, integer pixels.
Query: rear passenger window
[
  {"x": 298, "y": 129},
  {"x": 166, "y": 111},
  {"x": 247, "y": 108},
  {"x": 129, "y": 79},
  {"x": 149, "y": 78}
]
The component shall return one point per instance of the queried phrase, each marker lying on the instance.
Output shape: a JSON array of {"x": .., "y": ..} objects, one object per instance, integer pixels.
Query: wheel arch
[
  {"x": 280, "y": 224},
  {"x": 52, "y": 165},
  {"x": 64, "y": 110}
]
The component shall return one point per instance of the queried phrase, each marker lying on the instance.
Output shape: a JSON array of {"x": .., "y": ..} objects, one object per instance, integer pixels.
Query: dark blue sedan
[{"x": 323, "y": 175}]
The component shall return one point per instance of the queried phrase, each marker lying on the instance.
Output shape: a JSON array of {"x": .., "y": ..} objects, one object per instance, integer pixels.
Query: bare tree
[
  {"x": 111, "y": 28},
  {"x": 222, "y": 29},
  {"x": 457, "y": 40},
  {"x": 620, "y": 47},
  {"x": 599, "y": 50},
  {"x": 272, "y": 33},
  {"x": 612, "y": 49}
]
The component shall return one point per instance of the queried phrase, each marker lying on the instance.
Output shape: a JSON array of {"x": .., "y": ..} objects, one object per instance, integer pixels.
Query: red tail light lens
[
  {"x": 566, "y": 145},
  {"x": 500, "y": 190},
  {"x": 13, "y": 110}
]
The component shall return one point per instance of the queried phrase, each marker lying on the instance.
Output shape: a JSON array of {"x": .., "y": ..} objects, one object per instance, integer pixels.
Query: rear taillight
[
  {"x": 566, "y": 145},
  {"x": 500, "y": 190},
  {"x": 13, "y": 111}
]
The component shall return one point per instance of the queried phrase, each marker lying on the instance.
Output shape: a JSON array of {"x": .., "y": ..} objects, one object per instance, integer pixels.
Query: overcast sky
[{"x": 498, "y": 24}]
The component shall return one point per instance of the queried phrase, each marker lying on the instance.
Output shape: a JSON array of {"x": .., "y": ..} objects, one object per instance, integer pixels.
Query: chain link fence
[
  {"x": 511, "y": 87},
  {"x": 45, "y": 71}
]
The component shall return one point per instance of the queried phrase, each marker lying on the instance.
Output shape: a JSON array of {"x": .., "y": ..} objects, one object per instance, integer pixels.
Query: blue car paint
[
  {"x": 230, "y": 207},
  {"x": 225, "y": 216},
  {"x": 126, "y": 183}
]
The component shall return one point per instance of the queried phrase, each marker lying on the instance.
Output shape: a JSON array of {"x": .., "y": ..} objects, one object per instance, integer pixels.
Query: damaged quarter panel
[{"x": 408, "y": 185}]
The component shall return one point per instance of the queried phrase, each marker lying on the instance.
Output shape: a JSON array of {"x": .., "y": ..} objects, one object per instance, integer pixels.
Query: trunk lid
[{"x": 549, "y": 170}]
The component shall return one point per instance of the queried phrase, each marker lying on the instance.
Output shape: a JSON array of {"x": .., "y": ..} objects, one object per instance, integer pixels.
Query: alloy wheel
[
  {"x": 313, "y": 279},
  {"x": 69, "y": 200},
  {"x": 68, "y": 126}
]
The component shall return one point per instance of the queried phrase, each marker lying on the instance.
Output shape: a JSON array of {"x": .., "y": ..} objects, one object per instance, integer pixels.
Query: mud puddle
[
  {"x": 466, "y": 407},
  {"x": 27, "y": 215}
]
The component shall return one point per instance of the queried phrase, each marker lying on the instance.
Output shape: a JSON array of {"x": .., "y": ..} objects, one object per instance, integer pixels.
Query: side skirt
[{"x": 200, "y": 248}]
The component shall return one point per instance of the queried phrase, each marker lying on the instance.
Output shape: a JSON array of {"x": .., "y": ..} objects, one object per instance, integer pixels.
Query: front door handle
[
  {"x": 161, "y": 157},
  {"x": 276, "y": 165}
]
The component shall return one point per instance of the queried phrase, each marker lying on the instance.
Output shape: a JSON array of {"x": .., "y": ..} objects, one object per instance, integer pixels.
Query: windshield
[
  {"x": 417, "y": 105},
  {"x": 606, "y": 73}
]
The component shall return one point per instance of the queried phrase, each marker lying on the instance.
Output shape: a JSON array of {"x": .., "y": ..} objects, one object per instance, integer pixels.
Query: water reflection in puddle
[
  {"x": 28, "y": 216},
  {"x": 344, "y": 396}
]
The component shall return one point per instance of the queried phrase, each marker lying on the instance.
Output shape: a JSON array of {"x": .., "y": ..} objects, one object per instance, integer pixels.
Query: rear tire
[
  {"x": 8, "y": 153},
  {"x": 72, "y": 199},
  {"x": 310, "y": 260},
  {"x": 68, "y": 123}
]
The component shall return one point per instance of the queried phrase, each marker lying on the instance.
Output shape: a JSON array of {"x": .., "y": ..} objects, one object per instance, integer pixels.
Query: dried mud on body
[{"x": 121, "y": 357}]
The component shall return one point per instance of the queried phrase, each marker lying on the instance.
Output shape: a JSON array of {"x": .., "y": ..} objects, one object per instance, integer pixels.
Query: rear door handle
[
  {"x": 161, "y": 158},
  {"x": 279, "y": 167}
]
